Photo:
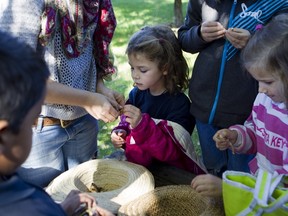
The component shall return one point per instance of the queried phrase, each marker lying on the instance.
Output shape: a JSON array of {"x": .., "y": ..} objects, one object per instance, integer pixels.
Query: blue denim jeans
[
  {"x": 56, "y": 149},
  {"x": 217, "y": 161}
]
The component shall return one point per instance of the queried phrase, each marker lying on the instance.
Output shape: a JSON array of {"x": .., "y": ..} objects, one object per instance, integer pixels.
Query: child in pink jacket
[{"x": 156, "y": 124}]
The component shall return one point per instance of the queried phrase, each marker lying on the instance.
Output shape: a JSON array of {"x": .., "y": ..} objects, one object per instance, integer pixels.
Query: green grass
[{"x": 131, "y": 16}]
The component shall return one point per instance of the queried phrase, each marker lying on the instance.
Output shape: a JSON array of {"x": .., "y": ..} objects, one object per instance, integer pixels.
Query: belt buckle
[{"x": 65, "y": 123}]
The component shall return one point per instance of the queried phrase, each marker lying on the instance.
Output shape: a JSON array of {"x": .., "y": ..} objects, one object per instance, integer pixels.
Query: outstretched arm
[{"x": 99, "y": 106}]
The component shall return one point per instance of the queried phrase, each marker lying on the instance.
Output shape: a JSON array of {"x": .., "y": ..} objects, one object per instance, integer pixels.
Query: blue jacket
[
  {"x": 18, "y": 198},
  {"x": 222, "y": 93}
]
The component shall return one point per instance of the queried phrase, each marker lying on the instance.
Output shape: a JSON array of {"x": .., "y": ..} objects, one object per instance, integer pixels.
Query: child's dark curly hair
[{"x": 159, "y": 43}]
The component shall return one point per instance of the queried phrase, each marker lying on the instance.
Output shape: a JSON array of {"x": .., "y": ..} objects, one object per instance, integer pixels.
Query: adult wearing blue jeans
[
  {"x": 49, "y": 158},
  {"x": 74, "y": 44}
]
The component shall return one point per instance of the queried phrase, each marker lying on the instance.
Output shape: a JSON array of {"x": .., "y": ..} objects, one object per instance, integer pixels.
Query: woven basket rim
[
  {"x": 172, "y": 200},
  {"x": 131, "y": 180}
]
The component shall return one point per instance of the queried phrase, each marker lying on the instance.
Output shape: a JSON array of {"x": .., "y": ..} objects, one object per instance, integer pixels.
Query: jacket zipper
[{"x": 222, "y": 68}]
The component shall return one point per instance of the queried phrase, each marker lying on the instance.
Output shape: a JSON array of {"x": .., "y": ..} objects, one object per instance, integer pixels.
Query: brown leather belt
[{"x": 49, "y": 121}]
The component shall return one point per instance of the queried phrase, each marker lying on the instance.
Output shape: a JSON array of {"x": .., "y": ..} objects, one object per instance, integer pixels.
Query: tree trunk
[{"x": 178, "y": 16}]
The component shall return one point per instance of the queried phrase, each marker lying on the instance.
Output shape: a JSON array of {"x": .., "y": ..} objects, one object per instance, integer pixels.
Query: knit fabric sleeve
[{"x": 22, "y": 19}]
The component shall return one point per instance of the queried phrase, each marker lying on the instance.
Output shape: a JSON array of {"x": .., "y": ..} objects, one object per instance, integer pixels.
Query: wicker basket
[{"x": 172, "y": 200}]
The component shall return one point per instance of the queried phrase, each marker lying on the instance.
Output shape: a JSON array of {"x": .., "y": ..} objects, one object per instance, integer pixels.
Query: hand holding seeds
[
  {"x": 224, "y": 139},
  {"x": 238, "y": 37}
]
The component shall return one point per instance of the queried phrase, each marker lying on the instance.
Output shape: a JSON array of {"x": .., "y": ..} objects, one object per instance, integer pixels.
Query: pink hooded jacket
[{"x": 160, "y": 140}]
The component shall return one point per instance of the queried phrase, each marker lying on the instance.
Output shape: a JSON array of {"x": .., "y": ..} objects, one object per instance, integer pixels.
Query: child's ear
[
  {"x": 165, "y": 70},
  {"x": 3, "y": 126}
]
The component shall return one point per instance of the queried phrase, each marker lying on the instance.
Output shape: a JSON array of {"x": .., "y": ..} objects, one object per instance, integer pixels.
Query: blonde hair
[{"x": 268, "y": 50}]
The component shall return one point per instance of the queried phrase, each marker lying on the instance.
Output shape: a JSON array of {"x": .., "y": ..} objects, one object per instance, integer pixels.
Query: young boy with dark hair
[{"x": 23, "y": 77}]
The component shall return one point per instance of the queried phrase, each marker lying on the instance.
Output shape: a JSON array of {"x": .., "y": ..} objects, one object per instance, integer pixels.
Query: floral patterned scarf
[{"x": 76, "y": 19}]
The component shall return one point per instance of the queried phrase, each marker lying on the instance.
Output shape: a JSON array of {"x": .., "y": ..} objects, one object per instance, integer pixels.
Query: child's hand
[
  {"x": 118, "y": 138},
  {"x": 211, "y": 30},
  {"x": 77, "y": 201},
  {"x": 238, "y": 37},
  {"x": 207, "y": 185},
  {"x": 225, "y": 138},
  {"x": 133, "y": 115}
]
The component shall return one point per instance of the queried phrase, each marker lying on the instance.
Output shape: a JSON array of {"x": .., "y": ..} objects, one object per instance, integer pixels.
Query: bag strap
[
  {"x": 264, "y": 188},
  {"x": 275, "y": 182}
]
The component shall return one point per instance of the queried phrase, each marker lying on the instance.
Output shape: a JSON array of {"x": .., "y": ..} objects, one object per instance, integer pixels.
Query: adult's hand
[
  {"x": 238, "y": 37},
  {"x": 115, "y": 98},
  {"x": 211, "y": 31},
  {"x": 96, "y": 104},
  {"x": 100, "y": 107}
]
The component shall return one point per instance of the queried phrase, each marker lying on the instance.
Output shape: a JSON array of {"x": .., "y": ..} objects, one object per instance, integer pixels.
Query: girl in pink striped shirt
[{"x": 265, "y": 132}]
